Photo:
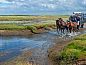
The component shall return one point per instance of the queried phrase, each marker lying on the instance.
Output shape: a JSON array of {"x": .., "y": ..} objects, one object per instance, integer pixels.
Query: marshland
[{"x": 33, "y": 40}]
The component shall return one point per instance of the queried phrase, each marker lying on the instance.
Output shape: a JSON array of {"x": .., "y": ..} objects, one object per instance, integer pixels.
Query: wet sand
[{"x": 19, "y": 60}]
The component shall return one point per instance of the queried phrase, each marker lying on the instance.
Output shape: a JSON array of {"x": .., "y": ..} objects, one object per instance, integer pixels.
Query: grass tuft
[{"x": 75, "y": 50}]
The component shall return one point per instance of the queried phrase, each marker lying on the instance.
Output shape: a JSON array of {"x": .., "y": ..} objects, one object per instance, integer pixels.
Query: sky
[{"x": 41, "y": 7}]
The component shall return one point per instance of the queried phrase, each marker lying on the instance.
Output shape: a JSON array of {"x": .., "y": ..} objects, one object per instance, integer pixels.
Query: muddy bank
[
  {"x": 15, "y": 32},
  {"x": 24, "y": 32},
  {"x": 53, "y": 52},
  {"x": 61, "y": 54}
]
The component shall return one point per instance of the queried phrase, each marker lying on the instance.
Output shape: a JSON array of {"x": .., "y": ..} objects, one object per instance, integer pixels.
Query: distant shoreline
[
  {"x": 30, "y": 17},
  {"x": 34, "y": 15}
]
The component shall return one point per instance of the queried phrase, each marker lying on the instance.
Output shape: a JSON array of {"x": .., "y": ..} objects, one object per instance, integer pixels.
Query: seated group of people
[
  {"x": 75, "y": 19},
  {"x": 72, "y": 24}
]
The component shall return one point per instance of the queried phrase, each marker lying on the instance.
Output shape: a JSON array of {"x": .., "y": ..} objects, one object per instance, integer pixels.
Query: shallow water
[{"x": 38, "y": 44}]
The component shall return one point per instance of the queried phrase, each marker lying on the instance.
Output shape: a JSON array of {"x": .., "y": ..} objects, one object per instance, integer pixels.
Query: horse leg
[
  {"x": 78, "y": 27},
  {"x": 57, "y": 30},
  {"x": 63, "y": 30},
  {"x": 67, "y": 29},
  {"x": 70, "y": 29},
  {"x": 57, "y": 26},
  {"x": 75, "y": 29}
]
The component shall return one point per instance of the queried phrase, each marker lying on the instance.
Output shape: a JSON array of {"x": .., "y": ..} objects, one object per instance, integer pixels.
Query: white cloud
[
  {"x": 84, "y": 2},
  {"x": 51, "y": 0},
  {"x": 50, "y": 6},
  {"x": 45, "y": 5},
  {"x": 4, "y": 1}
]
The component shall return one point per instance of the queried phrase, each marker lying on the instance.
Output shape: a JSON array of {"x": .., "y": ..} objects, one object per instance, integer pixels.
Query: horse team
[{"x": 71, "y": 25}]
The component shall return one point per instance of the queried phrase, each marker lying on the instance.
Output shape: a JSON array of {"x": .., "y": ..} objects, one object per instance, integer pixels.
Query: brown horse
[
  {"x": 72, "y": 26},
  {"x": 60, "y": 25},
  {"x": 68, "y": 26}
]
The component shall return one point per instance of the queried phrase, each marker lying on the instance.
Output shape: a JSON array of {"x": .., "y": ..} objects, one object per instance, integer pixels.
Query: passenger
[
  {"x": 78, "y": 22},
  {"x": 75, "y": 21},
  {"x": 73, "y": 18}
]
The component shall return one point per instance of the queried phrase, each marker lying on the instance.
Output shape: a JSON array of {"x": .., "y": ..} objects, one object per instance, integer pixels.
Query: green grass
[
  {"x": 75, "y": 50},
  {"x": 33, "y": 27},
  {"x": 81, "y": 37},
  {"x": 11, "y": 27},
  {"x": 28, "y": 18}
]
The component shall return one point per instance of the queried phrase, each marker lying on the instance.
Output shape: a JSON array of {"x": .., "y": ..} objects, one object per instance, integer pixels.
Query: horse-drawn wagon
[
  {"x": 75, "y": 21},
  {"x": 82, "y": 17}
]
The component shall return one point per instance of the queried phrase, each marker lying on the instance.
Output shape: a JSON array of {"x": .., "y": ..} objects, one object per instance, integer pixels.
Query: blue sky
[{"x": 41, "y": 7}]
